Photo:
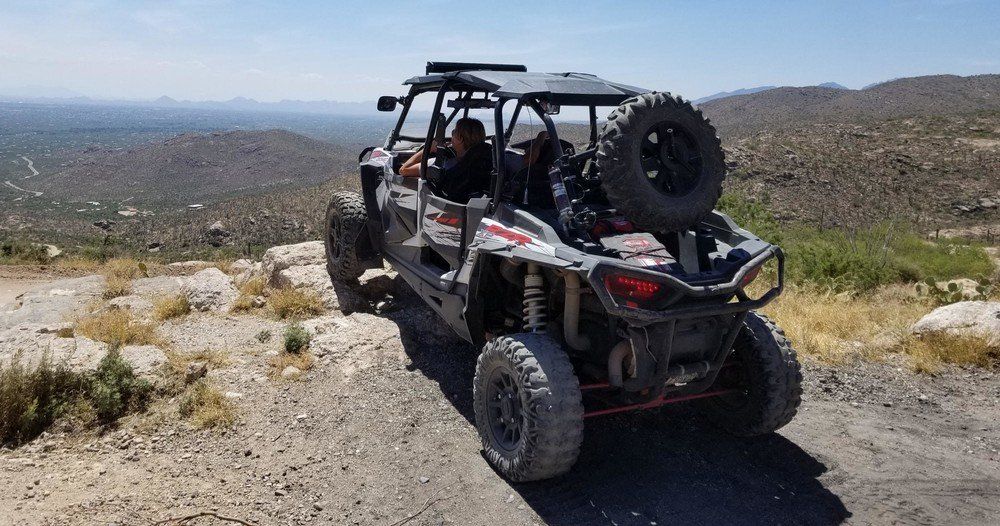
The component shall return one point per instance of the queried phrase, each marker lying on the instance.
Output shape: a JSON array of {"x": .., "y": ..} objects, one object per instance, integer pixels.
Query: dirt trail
[{"x": 383, "y": 426}]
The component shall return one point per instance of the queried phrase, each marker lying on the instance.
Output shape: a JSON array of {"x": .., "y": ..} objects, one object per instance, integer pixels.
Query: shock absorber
[{"x": 534, "y": 300}]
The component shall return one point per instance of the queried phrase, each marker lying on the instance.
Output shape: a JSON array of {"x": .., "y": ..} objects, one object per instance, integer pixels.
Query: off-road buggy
[{"x": 597, "y": 280}]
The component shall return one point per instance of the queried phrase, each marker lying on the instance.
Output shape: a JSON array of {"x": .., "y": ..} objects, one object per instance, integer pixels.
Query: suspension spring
[{"x": 534, "y": 301}]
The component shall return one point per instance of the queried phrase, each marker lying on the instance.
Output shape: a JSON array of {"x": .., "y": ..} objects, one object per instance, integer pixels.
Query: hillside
[
  {"x": 935, "y": 171},
  {"x": 196, "y": 168},
  {"x": 768, "y": 110}
]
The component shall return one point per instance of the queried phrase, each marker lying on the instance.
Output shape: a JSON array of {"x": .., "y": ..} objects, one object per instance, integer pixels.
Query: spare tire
[{"x": 661, "y": 163}]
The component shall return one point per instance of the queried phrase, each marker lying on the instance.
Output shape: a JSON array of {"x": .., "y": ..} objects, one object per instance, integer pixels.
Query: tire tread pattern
[
  {"x": 350, "y": 207},
  {"x": 552, "y": 426},
  {"x": 625, "y": 182}
]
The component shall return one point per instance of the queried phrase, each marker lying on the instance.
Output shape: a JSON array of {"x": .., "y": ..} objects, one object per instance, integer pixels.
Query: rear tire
[
  {"x": 345, "y": 220},
  {"x": 528, "y": 406},
  {"x": 767, "y": 372},
  {"x": 661, "y": 163}
]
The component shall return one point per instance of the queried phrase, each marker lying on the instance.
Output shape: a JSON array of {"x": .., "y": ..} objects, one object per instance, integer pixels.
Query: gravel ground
[{"x": 380, "y": 432}]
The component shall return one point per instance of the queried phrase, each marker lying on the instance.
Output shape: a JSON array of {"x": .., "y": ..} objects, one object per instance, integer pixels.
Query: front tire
[
  {"x": 528, "y": 406},
  {"x": 765, "y": 372},
  {"x": 345, "y": 219}
]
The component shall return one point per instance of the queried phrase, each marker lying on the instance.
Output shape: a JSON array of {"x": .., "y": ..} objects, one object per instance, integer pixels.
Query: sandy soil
[{"x": 381, "y": 431}]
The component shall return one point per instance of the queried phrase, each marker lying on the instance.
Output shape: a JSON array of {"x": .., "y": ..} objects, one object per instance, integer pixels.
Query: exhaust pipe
[
  {"x": 571, "y": 314},
  {"x": 616, "y": 360}
]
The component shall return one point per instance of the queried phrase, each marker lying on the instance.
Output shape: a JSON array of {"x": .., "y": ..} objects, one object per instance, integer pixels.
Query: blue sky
[{"x": 218, "y": 49}]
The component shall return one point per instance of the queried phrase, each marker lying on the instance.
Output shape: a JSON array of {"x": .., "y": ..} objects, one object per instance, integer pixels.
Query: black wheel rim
[
  {"x": 334, "y": 244},
  {"x": 671, "y": 159},
  {"x": 503, "y": 408}
]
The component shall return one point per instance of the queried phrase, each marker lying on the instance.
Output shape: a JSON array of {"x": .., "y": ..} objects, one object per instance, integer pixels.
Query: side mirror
[{"x": 387, "y": 103}]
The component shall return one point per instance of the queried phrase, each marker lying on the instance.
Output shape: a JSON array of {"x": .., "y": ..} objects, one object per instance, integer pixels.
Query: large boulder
[
  {"x": 316, "y": 279},
  {"x": 282, "y": 257},
  {"x": 980, "y": 318},
  {"x": 210, "y": 290},
  {"x": 244, "y": 270}
]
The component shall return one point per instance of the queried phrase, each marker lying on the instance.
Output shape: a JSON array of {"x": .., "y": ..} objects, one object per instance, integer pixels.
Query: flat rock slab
[{"x": 52, "y": 303}]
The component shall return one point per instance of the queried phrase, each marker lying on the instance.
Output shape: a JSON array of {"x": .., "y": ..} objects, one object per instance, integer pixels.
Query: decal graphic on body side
[{"x": 490, "y": 230}]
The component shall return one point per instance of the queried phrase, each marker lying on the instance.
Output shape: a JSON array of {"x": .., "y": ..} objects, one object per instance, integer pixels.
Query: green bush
[
  {"x": 297, "y": 338},
  {"x": 114, "y": 389},
  {"x": 30, "y": 400},
  {"x": 15, "y": 251},
  {"x": 858, "y": 260},
  {"x": 753, "y": 215}
]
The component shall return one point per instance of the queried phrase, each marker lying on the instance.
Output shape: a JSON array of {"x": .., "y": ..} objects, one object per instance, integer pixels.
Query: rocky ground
[{"x": 380, "y": 431}]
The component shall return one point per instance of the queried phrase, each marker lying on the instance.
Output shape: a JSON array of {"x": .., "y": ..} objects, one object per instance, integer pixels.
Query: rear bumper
[{"x": 682, "y": 291}]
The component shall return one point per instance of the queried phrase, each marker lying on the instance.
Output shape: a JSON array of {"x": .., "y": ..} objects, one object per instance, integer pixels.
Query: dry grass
[
  {"x": 215, "y": 358},
  {"x": 248, "y": 292},
  {"x": 303, "y": 361},
  {"x": 116, "y": 286},
  {"x": 929, "y": 351},
  {"x": 295, "y": 303},
  {"x": 837, "y": 328},
  {"x": 206, "y": 407},
  {"x": 118, "y": 275},
  {"x": 117, "y": 326},
  {"x": 168, "y": 307}
]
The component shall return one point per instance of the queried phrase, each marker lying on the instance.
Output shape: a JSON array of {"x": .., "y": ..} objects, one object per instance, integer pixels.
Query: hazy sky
[{"x": 357, "y": 50}]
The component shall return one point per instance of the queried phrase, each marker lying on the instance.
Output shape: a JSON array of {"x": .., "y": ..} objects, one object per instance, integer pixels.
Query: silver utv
[{"x": 602, "y": 282}]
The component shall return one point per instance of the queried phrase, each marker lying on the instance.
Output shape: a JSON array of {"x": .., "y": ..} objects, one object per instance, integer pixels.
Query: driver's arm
[{"x": 411, "y": 168}]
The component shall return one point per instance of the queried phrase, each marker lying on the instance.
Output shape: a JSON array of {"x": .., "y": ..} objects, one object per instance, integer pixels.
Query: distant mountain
[
  {"x": 39, "y": 92},
  {"x": 783, "y": 107},
  {"x": 758, "y": 89},
  {"x": 198, "y": 168},
  {"x": 724, "y": 94},
  {"x": 326, "y": 107}
]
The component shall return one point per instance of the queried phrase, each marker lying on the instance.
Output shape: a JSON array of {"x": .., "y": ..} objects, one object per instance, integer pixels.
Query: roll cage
[{"x": 484, "y": 86}]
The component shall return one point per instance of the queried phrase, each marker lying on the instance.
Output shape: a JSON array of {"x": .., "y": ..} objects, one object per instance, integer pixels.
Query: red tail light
[
  {"x": 750, "y": 276},
  {"x": 632, "y": 291}
]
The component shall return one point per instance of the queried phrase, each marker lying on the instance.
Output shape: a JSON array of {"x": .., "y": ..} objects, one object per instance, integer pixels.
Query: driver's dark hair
[{"x": 470, "y": 130}]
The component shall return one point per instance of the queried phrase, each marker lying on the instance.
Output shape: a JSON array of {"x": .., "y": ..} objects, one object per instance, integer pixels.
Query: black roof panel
[{"x": 558, "y": 88}]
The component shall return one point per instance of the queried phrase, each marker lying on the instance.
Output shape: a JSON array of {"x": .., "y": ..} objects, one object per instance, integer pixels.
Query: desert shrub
[
  {"x": 115, "y": 286},
  {"x": 860, "y": 259},
  {"x": 303, "y": 361},
  {"x": 919, "y": 259},
  {"x": 117, "y": 327},
  {"x": 206, "y": 407},
  {"x": 31, "y": 399},
  {"x": 249, "y": 291},
  {"x": 118, "y": 276},
  {"x": 114, "y": 389},
  {"x": 169, "y": 307},
  {"x": 840, "y": 260},
  {"x": 752, "y": 214},
  {"x": 13, "y": 251},
  {"x": 297, "y": 338},
  {"x": 295, "y": 303}
]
